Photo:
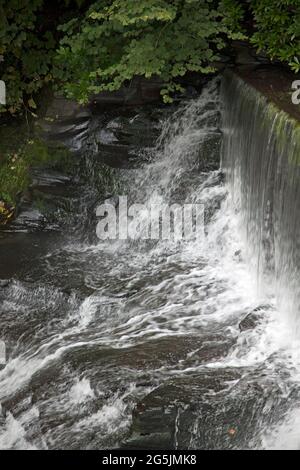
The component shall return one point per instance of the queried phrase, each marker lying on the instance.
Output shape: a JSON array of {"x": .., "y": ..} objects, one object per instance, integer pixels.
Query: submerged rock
[
  {"x": 253, "y": 318},
  {"x": 4, "y": 283},
  {"x": 156, "y": 417},
  {"x": 161, "y": 352},
  {"x": 28, "y": 219},
  {"x": 215, "y": 409},
  {"x": 48, "y": 180},
  {"x": 249, "y": 322}
]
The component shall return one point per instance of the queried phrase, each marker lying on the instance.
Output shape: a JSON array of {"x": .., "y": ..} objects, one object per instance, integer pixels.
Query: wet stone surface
[
  {"x": 252, "y": 320},
  {"x": 121, "y": 142},
  {"x": 189, "y": 412},
  {"x": 124, "y": 344}
]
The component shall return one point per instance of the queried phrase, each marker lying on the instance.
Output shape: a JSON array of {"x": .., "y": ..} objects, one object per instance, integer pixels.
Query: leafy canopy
[
  {"x": 87, "y": 46},
  {"x": 28, "y": 41},
  {"x": 122, "y": 38},
  {"x": 277, "y": 30}
]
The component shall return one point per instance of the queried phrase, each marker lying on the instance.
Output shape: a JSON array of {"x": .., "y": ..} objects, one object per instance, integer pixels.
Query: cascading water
[
  {"x": 262, "y": 159},
  {"x": 138, "y": 344}
]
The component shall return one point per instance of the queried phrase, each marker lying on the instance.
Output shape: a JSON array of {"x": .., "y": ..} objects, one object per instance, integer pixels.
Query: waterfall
[
  {"x": 165, "y": 343},
  {"x": 261, "y": 157}
]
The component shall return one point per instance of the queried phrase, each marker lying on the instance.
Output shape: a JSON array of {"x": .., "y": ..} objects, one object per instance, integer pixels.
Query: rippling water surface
[{"x": 104, "y": 337}]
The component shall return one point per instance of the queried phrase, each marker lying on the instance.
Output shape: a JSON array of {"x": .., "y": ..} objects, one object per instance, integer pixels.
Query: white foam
[{"x": 81, "y": 391}]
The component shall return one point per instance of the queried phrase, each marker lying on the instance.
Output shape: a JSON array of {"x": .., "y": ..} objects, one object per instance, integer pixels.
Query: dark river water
[{"x": 140, "y": 343}]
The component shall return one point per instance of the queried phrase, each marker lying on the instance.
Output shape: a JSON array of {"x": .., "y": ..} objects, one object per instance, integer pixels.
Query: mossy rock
[{"x": 7, "y": 212}]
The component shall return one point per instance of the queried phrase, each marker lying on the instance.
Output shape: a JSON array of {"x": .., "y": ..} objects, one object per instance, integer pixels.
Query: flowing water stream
[{"x": 131, "y": 343}]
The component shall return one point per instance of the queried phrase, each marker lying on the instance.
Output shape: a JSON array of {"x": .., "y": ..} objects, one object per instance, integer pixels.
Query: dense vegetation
[
  {"x": 85, "y": 47},
  {"x": 277, "y": 30}
]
